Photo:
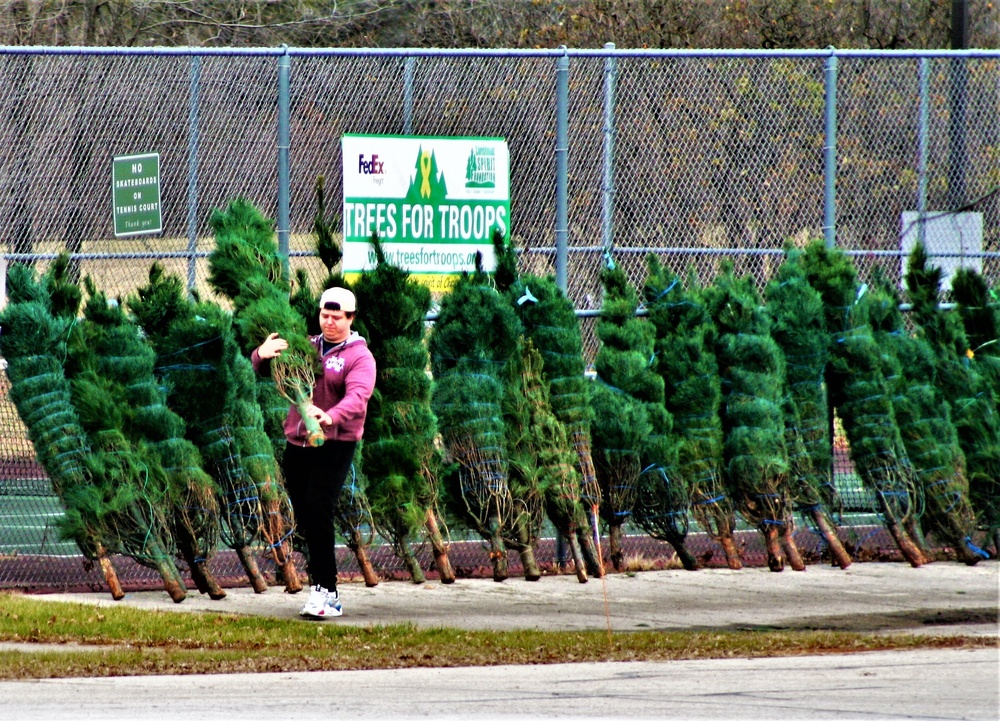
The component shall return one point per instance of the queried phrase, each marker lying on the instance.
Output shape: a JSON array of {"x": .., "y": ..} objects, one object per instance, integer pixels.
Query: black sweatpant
[{"x": 314, "y": 478}]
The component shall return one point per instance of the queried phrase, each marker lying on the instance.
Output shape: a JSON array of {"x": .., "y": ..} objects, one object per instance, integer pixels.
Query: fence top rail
[{"x": 605, "y": 52}]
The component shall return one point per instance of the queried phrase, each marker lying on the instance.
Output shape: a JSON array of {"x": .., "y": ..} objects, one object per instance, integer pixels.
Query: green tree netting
[
  {"x": 752, "y": 370},
  {"x": 473, "y": 338},
  {"x": 858, "y": 392},
  {"x": 925, "y": 425},
  {"x": 550, "y": 323},
  {"x": 798, "y": 326},
  {"x": 208, "y": 380},
  {"x": 632, "y": 434},
  {"x": 685, "y": 358},
  {"x": 401, "y": 458},
  {"x": 979, "y": 309}
]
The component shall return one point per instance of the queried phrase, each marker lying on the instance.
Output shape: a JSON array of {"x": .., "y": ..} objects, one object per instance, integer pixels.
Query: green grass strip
[{"x": 126, "y": 641}]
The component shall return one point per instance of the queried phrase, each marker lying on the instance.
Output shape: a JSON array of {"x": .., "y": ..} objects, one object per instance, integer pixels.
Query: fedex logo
[{"x": 370, "y": 167}]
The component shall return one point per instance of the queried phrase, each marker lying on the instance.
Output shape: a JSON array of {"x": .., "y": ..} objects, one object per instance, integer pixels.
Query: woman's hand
[
  {"x": 272, "y": 346},
  {"x": 319, "y": 414}
]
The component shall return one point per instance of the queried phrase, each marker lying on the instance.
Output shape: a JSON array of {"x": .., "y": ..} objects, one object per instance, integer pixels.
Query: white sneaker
[
  {"x": 322, "y": 604},
  {"x": 331, "y": 607},
  {"x": 317, "y": 597}
]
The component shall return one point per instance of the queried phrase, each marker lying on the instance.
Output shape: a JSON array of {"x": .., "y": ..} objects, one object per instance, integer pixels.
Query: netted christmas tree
[
  {"x": 401, "y": 458},
  {"x": 114, "y": 381},
  {"x": 925, "y": 424},
  {"x": 752, "y": 370},
  {"x": 136, "y": 440},
  {"x": 971, "y": 394},
  {"x": 210, "y": 384},
  {"x": 473, "y": 338},
  {"x": 798, "y": 326},
  {"x": 246, "y": 268},
  {"x": 33, "y": 344},
  {"x": 632, "y": 439},
  {"x": 979, "y": 309},
  {"x": 857, "y": 390},
  {"x": 539, "y": 452},
  {"x": 526, "y": 472},
  {"x": 685, "y": 358},
  {"x": 572, "y": 500}
]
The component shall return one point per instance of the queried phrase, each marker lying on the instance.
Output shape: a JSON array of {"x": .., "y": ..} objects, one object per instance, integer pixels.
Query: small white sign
[{"x": 952, "y": 241}]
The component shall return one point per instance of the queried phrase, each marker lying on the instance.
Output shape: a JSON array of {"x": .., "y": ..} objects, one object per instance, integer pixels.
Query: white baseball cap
[{"x": 338, "y": 299}]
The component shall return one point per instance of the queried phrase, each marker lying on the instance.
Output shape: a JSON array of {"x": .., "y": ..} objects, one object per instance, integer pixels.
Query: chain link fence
[{"x": 701, "y": 157}]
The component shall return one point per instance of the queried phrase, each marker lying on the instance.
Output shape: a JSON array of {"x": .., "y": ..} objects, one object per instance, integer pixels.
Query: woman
[{"x": 314, "y": 476}]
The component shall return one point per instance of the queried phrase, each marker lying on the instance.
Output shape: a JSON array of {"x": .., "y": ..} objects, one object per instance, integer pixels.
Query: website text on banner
[{"x": 433, "y": 201}]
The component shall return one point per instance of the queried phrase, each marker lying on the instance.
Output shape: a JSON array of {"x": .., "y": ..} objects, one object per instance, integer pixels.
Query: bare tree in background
[{"x": 888, "y": 24}]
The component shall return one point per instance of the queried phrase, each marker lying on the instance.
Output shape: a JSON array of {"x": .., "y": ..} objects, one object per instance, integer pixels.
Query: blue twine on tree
[
  {"x": 716, "y": 499},
  {"x": 185, "y": 349},
  {"x": 974, "y": 548},
  {"x": 666, "y": 290},
  {"x": 279, "y": 542}
]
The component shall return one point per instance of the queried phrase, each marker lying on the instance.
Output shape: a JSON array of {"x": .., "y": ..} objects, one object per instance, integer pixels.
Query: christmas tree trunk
[{"x": 439, "y": 547}]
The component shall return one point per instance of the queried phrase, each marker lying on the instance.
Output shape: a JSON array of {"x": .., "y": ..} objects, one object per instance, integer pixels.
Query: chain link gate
[{"x": 698, "y": 156}]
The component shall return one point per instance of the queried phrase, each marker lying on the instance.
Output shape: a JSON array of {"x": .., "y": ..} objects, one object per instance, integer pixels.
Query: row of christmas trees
[
  {"x": 719, "y": 400},
  {"x": 715, "y": 400}
]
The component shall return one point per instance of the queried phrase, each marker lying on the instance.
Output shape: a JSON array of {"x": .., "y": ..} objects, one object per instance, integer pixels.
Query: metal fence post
[
  {"x": 284, "y": 206},
  {"x": 958, "y": 100},
  {"x": 408, "y": 67},
  {"x": 562, "y": 166},
  {"x": 922, "y": 148},
  {"x": 608, "y": 196},
  {"x": 830, "y": 152},
  {"x": 194, "y": 85}
]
